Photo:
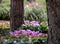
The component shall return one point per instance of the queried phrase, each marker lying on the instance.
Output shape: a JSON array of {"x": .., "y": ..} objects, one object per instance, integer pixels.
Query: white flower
[{"x": 14, "y": 41}]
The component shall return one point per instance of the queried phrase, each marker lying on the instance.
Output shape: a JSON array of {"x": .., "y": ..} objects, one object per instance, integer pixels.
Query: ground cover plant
[
  {"x": 33, "y": 30},
  {"x": 24, "y": 36}
]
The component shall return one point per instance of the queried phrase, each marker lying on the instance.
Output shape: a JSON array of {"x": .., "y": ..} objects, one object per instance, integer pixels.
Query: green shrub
[
  {"x": 41, "y": 27},
  {"x": 44, "y": 27},
  {"x": 4, "y": 13},
  {"x": 35, "y": 13}
]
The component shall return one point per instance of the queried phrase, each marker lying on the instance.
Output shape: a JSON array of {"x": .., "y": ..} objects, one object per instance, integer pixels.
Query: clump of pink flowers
[
  {"x": 29, "y": 33},
  {"x": 31, "y": 23}
]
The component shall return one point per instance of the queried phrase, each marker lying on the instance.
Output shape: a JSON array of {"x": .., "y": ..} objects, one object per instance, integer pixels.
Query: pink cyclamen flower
[
  {"x": 11, "y": 33},
  {"x": 34, "y": 23},
  {"x": 26, "y": 22},
  {"x": 40, "y": 34}
]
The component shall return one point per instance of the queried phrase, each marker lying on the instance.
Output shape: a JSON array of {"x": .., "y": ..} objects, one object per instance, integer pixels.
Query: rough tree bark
[
  {"x": 16, "y": 14},
  {"x": 53, "y": 9}
]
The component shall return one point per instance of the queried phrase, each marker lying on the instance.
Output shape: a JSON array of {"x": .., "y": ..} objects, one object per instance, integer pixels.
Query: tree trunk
[
  {"x": 16, "y": 14},
  {"x": 0, "y": 1},
  {"x": 53, "y": 9}
]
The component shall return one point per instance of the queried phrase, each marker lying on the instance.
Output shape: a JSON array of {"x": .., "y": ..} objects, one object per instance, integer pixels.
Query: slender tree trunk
[
  {"x": 53, "y": 9},
  {"x": 0, "y": 1},
  {"x": 16, "y": 15}
]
